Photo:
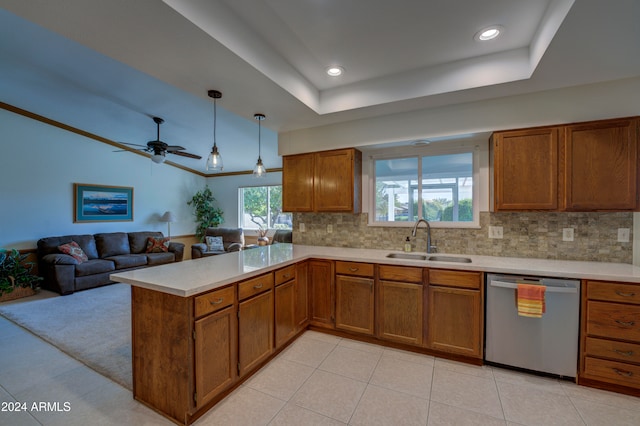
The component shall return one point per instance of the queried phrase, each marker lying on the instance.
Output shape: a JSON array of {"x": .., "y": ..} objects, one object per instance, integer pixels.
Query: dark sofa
[{"x": 107, "y": 253}]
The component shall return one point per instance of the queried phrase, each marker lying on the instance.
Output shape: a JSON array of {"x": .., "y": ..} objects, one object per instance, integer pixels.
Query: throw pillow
[
  {"x": 157, "y": 245},
  {"x": 74, "y": 250},
  {"x": 214, "y": 243}
]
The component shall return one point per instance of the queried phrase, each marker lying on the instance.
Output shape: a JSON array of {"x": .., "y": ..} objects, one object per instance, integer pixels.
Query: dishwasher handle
[{"x": 514, "y": 286}]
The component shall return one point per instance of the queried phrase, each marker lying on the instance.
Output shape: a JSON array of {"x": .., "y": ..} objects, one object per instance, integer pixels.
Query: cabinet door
[
  {"x": 354, "y": 304},
  {"x": 455, "y": 321},
  {"x": 285, "y": 312},
  {"x": 297, "y": 183},
  {"x": 255, "y": 331},
  {"x": 601, "y": 162},
  {"x": 215, "y": 354},
  {"x": 302, "y": 295},
  {"x": 322, "y": 292},
  {"x": 525, "y": 169},
  {"x": 337, "y": 181},
  {"x": 400, "y": 312}
]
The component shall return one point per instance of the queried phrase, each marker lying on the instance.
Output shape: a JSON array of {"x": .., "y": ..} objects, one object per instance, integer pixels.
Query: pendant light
[
  {"x": 214, "y": 161},
  {"x": 259, "y": 171}
]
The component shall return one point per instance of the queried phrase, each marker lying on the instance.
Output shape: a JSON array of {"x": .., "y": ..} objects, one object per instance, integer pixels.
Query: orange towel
[{"x": 531, "y": 300}]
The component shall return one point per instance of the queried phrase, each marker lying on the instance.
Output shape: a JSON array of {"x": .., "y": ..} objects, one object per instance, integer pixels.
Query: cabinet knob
[
  {"x": 619, "y": 293},
  {"x": 626, "y": 323},
  {"x": 259, "y": 286},
  {"x": 353, "y": 269},
  {"x": 624, "y": 353},
  {"x": 216, "y": 302}
]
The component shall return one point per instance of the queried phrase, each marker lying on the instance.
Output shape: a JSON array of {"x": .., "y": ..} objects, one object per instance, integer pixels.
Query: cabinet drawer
[
  {"x": 354, "y": 268},
  {"x": 255, "y": 286},
  {"x": 613, "y": 292},
  {"x": 214, "y": 301},
  {"x": 455, "y": 278},
  {"x": 406, "y": 274},
  {"x": 613, "y": 320},
  {"x": 626, "y": 352},
  {"x": 612, "y": 372},
  {"x": 285, "y": 274}
]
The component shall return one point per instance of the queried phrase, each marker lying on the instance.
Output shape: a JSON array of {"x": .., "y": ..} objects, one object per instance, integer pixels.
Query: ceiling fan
[{"x": 158, "y": 149}]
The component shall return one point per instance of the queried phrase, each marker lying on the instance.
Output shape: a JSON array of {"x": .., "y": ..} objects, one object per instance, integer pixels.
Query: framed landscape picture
[{"x": 101, "y": 203}]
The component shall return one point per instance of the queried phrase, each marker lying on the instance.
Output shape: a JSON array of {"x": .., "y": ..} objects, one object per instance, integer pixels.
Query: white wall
[
  {"x": 225, "y": 191},
  {"x": 581, "y": 103},
  {"x": 40, "y": 163}
]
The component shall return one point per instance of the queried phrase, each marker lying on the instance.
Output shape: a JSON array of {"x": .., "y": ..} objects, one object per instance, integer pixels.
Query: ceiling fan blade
[
  {"x": 171, "y": 148},
  {"x": 133, "y": 144},
  {"x": 185, "y": 154}
]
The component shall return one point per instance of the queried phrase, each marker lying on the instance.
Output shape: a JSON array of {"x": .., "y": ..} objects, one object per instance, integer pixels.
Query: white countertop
[{"x": 192, "y": 277}]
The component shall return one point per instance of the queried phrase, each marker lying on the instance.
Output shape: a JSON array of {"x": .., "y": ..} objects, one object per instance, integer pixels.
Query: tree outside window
[{"x": 261, "y": 207}]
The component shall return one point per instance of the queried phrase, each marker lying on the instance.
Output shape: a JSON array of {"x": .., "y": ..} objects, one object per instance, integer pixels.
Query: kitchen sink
[
  {"x": 407, "y": 256},
  {"x": 449, "y": 259}
]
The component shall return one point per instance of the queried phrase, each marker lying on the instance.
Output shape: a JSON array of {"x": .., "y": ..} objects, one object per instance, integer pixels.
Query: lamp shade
[{"x": 168, "y": 217}]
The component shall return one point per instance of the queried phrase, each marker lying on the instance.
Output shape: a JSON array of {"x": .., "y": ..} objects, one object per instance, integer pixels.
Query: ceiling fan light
[
  {"x": 214, "y": 161},
  {"x": 158, "y": 158}
]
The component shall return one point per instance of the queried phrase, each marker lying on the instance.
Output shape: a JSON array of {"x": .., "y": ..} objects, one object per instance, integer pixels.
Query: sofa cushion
[
  {"x": 74, "y": 250},
  {"x": 138, "y": 240},
  {"x": 157, "y": 245},
  {"x": 160, "y": 258},
  {"x": 125, "y": 261},
  {"x": 50, "y": 245},
  {"x": 214, "y": 243},
  {"x": 112, "y": 244},
  {"x": 94, "y": 266}
]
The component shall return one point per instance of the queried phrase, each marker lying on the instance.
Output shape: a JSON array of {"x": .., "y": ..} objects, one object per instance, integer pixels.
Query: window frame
[{"x": 435, "y": 149}]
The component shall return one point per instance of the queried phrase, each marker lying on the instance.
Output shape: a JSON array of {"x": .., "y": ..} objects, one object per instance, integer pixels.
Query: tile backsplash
[{"x": 529, "y": 234}]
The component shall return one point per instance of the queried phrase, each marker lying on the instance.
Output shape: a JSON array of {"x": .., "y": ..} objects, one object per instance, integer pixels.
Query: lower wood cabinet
[
  {"x": 610, "y": 336},
  {"x": 302, "y": 295},
  {"x": 255, "y": 323},
  {"x": 354, "y": 304},
  {"x": 455, "y": 320},
  {"x": 215, "y": 354},
  {"x": 321, "y": 284},
  {"x": 285, "y": 305},
  {"x": 400, "y": 304}
]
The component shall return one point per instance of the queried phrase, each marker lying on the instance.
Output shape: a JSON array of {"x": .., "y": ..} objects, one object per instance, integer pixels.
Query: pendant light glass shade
[
  {"x": 259, "y": 170},
  {"x": 214, "y": 161}
]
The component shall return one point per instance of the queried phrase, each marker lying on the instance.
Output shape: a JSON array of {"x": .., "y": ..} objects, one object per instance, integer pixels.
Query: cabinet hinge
[
  {"x": 238, "y": 313},
  {"x": 238, "y": 368},
  {"x": 194, "y": 334},
  {"x": 195, "y": 397}
]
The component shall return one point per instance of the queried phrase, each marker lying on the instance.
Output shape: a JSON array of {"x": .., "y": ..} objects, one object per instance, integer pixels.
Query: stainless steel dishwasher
[{"x": 548, "y": 344}]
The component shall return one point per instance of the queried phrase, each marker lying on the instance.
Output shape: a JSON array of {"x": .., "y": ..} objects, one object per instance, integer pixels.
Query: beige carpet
[{"x": 92, "y": 326}]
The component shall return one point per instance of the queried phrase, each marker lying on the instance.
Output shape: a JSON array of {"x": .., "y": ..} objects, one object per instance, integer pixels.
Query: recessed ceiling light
[
  {"x": 489, "y": 33},
  {"x": 335, "y": 71}
]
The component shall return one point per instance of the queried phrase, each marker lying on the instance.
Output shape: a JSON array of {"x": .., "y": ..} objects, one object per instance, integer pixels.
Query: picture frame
[{"x": 102, "y": 203}]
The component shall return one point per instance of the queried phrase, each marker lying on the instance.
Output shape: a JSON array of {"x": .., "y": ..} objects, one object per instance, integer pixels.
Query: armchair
[{"x": 232, "y": 240}]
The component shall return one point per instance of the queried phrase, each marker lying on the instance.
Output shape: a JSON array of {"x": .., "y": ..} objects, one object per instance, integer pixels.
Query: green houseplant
[
  {"x": 15, "y": 273},
  {"x": 206, "y": 213}
]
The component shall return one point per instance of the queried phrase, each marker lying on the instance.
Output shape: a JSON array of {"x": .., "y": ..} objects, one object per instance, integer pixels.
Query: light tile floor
[{"x": 319, "y": 380}]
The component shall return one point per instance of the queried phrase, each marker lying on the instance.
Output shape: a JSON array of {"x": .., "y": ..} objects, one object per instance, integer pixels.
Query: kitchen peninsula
[{"x": 201, "y": 327}]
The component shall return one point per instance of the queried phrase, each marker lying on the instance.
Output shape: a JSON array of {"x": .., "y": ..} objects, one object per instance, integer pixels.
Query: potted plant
[
  {"x": 16, "y": 279},
  {"x": 207, "y": 215}
]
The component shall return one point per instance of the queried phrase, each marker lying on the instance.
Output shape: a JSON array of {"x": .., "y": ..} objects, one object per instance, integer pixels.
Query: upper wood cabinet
[
  {"x": 578, "y": 167},
  {"x": 326, "y": 181},
  {"x": 525, "y": 167},
  {"x": 601, "y": 165}
]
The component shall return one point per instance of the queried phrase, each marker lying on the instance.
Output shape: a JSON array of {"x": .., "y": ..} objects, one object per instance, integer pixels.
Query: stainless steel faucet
[{"x": 415, "y": 228}]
